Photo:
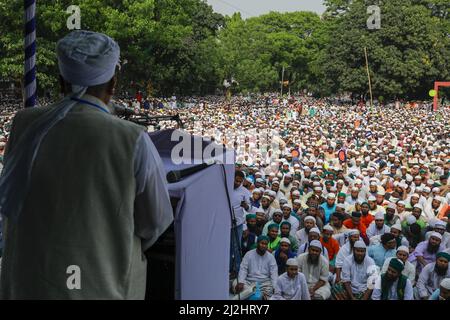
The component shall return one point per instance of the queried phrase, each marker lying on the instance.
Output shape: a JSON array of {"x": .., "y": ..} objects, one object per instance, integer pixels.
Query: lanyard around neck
[{"x": 91, "y": 104}]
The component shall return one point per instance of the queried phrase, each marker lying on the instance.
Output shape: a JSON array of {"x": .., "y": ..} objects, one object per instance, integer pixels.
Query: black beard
[
  {"x": 440, "y": 271},
  {"x": 352, "y": 243},
  {"x": 251, "y": 228},
  {"x": 359, "y": 260},
  {"x": 432, "y": 248},
  {"x": 314, "y": 261},
  {"x": 260, "y": 252},
  {"x": 389, "y": 281}
]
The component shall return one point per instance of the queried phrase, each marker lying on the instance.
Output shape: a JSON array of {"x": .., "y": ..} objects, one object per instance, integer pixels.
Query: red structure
[{"x": 438, "y": 84}]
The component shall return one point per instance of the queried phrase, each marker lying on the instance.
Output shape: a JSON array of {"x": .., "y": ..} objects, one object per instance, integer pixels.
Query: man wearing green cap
[
  {"x": 393, "y": 285},
  {"x": 258, "y": 265},
  {"x": 432, "y": 275}
]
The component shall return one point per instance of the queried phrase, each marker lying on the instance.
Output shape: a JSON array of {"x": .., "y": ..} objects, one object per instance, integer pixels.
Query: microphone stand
[{"x": 146, "y": 120}]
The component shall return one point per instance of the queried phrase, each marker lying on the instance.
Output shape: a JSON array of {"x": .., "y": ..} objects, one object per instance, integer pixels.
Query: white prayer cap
[
  {"x": 340, "y": 205},
  {"x": 409, "y": 178},
  {"x": 315, "y": 230},
  {"x": 379, "y": 215},
  {"x": 288, "y": 175},
  {"x": 307, "y": 169},
  {"x": 439, "y": 198},
  {"x": 272, "y": 174},
  {"x": 401, "y": 202},
  {"x": 436, "y": 235},
  {"x": 259, "y": 180},
  {"x": 272, "y": 193},
  {"x": 445, "y": 283},
  {"x": 309, "y": 218},
  {"x": 404, "y": 249},
  {"x": 316, "y": 184},
  {"x": 328, "y": 227},
  {"x": 275, "y": 182},
  {"x": 436, "y": 189},
  {"x": 292, "y": 262},
  {"x": 381, "y": 192},
  {"x": 426, "y": 189},
  {"x": 286, "y": 240},
  {"x": 360, "y": 245},
  {"x": 277, "y": 211},
  {"x": 297, "y": 201},
  {"x": 419, "y": 189},
  {"x": 331, "y": 196},
  {"x": 317, "y": 188},
  {"x": 440, "y": 224},
  {"x": 397, "y": 226},
  {"x": 411, "y": 219},
  {"x": 372, "y": 198},
  {"x": 340, "y": 181},
  {"x": 358, "y": 181},
  {"x": 266, "y": 197},
  {"x": 352, "y": 232},
  {"x": 296, "y": 193},
  {"x": 415, "y": 195},
  {"x": 392, "y": 206},
  {"x": 418, "y": 206},
  {"x": 430, "y": 181},
  {"x": 256, "y": 191},
  {"x": 87, "y": 58},
  {"x": 316, "y": 243}
]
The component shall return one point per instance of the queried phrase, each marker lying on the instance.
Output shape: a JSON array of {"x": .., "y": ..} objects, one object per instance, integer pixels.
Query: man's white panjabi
[{"x": 85, "y": 59}]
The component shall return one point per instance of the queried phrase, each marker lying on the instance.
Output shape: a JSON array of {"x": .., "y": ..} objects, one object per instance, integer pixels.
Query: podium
[{"x": 191, "y": 260}]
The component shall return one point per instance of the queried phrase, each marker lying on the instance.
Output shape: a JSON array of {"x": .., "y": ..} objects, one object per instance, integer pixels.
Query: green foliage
[
  {"x": 183, "y": 47},
  {"x": 406, "y": 56}
]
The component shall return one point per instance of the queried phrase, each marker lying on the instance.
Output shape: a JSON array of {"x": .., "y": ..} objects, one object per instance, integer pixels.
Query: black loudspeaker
[{"x": 161, "y": 264}]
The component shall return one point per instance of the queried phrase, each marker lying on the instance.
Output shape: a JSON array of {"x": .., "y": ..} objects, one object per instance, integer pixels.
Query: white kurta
[
  {"x": 356, "y": 273},
  {"x": 372, "y": 230},
  {"x": 257, "y": 268},
  {"x": 291, "y": 289},
  {"x": 392, "y": 295}
]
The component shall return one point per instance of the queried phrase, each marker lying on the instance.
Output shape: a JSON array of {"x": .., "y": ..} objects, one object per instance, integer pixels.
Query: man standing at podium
[{"x": 83, "y": 193}]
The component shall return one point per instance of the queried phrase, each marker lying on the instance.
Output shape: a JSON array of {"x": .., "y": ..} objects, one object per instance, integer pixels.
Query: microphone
[
  {"x": 120, "y": 110},
  {"x": 176, "y": 175}
]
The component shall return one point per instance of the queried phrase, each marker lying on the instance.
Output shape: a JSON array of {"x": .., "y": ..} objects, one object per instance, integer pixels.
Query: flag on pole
[{"x": 30, "y": 53}]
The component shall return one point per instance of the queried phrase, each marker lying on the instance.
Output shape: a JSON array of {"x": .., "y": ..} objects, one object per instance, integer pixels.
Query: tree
[{"x": 406, "y": 55}]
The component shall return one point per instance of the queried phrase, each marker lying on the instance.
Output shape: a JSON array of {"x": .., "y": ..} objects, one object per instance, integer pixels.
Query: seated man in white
[
  {"x": 291, "y": 285},
  {"x": 258, "y": 266}
]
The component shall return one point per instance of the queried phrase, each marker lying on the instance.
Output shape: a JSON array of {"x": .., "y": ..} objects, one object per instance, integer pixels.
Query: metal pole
[
  {"x": 368, "y": 76},
  {"x": 30, "y": 53}
]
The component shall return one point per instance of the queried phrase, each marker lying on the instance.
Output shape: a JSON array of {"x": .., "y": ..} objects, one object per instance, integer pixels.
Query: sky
[{"x": 251, "y": 8}]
